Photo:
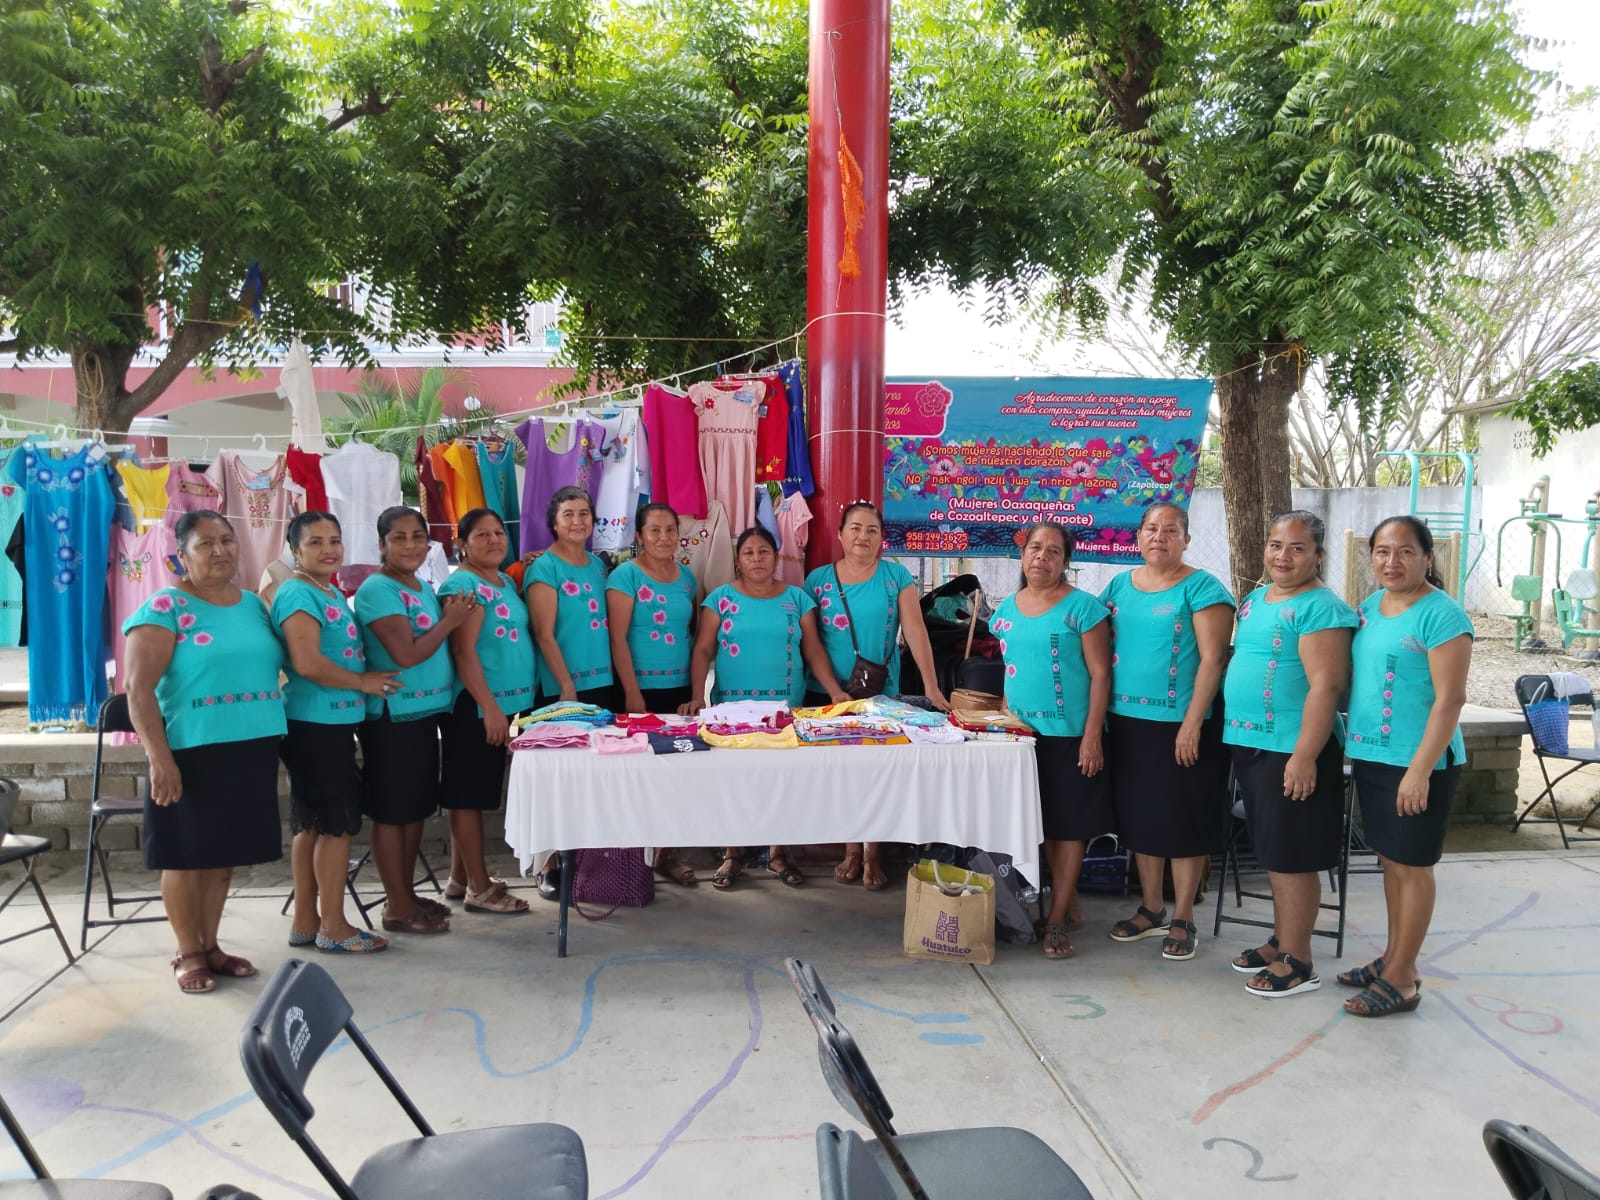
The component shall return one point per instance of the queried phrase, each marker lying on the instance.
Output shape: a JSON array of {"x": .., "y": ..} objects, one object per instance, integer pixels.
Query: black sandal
[
  {"x": 1360, "y": 977},
  {"x": 1180, "y": 949},
  {"x": 1301, "y": 978},
  {"x": 1251, "y": 961},
  {"x": 786, "y": 874},
  {"x": 1127, "y": 931},
  {"x": 723, "y": 880},
  {"x": 1381, "y": 999}
]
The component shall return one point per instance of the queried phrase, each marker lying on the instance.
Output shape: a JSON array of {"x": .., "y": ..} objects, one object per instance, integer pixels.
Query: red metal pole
[{"x": 844, "y": 349}]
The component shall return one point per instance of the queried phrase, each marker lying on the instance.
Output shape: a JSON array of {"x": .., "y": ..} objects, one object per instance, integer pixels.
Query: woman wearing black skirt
[
  {"x": 1291, "y": 663},
  {"x": 1057, "y": 647},
  {"x": 1169, "y": 628},
  {"x": 203, "y": 694}
]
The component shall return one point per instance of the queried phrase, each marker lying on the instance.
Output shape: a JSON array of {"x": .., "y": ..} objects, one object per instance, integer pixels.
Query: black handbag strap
[{"x": 854, "y": 645}]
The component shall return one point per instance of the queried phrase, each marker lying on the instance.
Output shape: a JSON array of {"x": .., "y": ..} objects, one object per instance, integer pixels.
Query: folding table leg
[{"x": 569, "y": 861}]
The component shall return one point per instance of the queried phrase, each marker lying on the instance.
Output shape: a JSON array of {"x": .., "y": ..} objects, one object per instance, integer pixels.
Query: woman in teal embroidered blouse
[
  {"x": 566, "y": 592},
  {"x": 1169, "y": 771},
  {"x": 404, "y": 628},
  {"x": 203, "y": 696},
  {"x": 761, "y": 634},
  {"x": 863, "y": 604},
  {"x": 324, "y": 699},
  {"x": 495, "y": 662},
  {"x": 1291, "y": 664},
  {"x": 1408, "y": 682},
  {"x": 1056, "y": 642}
]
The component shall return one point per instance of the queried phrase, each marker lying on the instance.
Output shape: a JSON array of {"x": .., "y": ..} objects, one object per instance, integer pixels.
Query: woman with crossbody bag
[{"x": 864, "y": 604}]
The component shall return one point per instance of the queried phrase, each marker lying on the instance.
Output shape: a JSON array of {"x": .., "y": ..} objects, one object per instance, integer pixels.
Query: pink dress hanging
[{"x": 729, "y": 415}]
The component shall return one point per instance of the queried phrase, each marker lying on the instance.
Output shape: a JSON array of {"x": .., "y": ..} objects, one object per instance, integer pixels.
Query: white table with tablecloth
[{"x": 973, "y": 794}]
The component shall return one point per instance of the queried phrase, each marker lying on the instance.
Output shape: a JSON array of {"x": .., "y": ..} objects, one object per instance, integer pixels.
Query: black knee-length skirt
[
  {"x": 227, "y": 815},
  {"x": 1165, "y": 809},
  {"x": 1292, "y": 836},
  {"x": 1076, "y": 807},
  {"x": 400, "y": 768}
]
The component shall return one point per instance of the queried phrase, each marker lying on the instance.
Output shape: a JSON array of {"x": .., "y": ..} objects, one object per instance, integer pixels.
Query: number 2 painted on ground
[{"x": 1256, "y": 1160}]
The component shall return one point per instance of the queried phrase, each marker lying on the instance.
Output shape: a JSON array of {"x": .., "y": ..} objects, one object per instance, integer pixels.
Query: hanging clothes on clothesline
[
  {"x": 794, "y": 515},
  {"x": 12, "y": 496},
  {"x": 673, "y": 433},
  {"x": 305, "y": 470},
  {"x": 258, "y": 504},
  {"x": 190, "y": 490},
  {"x": 705, "y": 546},
  {"x": 436, "y": 510},
  {"x": 574, "y": 461},
  {"x": 797, "y": 477},
  {"x": 67, "y": 530},
  {"x": 624, "y": 478},
  {"x": 140, "y": 565},
  {"x": 464, "y": 481},
  {"x": 728, "y": 415},
  {"x": 497, "y": 470},
  {"x": 145, "y": 489},
  {"x": 361, "y": 481}
]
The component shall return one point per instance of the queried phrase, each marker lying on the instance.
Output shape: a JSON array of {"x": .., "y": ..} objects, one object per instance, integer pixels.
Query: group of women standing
[
  {"x": 426, "y": 682},
  {"x": 1148, "y": 661}
]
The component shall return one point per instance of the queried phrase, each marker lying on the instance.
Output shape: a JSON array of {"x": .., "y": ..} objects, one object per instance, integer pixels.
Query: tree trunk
[
  {"x": 1254, "y": 398},
  {"x": 100, "y": 379}
]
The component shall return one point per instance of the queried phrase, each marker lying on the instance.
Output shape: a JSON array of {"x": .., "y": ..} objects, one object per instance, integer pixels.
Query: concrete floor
[{"x": 671, "y": 1041}]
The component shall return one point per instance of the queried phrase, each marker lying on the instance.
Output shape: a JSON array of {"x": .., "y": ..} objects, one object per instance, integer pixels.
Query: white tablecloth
[{"x": 975, "y": 794}]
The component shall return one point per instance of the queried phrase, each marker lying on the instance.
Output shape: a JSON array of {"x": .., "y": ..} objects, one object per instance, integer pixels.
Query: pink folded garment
[
  {"x": 615, "y": 741},
  {"x": 552, "y": 735}
]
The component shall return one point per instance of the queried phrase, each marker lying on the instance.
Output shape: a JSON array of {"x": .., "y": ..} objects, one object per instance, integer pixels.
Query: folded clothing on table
[
  {"x": 676, "y": 743},
  {"x": 769, "y": 739},
  {"x": 552, "y": 735},
  {"x": 572, "y": 712},
  {"x": 612, "y": 740},
  {"x": 849, "y": 730},
  {"x": 656, "y": 723},
  {"x": 746, "y": 716}
]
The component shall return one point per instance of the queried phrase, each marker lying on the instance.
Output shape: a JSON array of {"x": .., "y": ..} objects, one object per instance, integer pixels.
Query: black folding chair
[
  {"x": 846, "y": 1169},
  {"x": 1535, "y": 1168},
  {"x": 1237, "y": 858},
  {"x": 24, "y": 848},
  {"x": 299, "y": 1015},
  {"x": 47, "y": 1187},
  {"x": 954, "y": 1163},
  {"x": 1531, "y": 689},
  {"x": 365, "y": 906},
  {"x": 114, "y": 718}
]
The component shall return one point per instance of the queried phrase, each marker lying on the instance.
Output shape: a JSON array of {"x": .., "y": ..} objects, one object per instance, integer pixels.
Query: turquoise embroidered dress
[
  {"x": 1154, "y": 653},
  {"x": 875, "y": 607},
  {"x": 428, "y": 687},
  {"x": 505, "y": 645},
  {"x": 222, "y": 682},
  {"x": 1047, "y": 680},
  {"x": 339, "y": 639},
  {"x": 661, "y": 631},
  {"x": 67, "y": 534},
  {"x": 758, "y": 645},
  {"x": 582, "y": 631},
  {"x": 1391, "y": 687},
  {"x": 1266, "y": 686}
]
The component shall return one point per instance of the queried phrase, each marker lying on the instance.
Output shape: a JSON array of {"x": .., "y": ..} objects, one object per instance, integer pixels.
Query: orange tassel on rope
[{"x": 855, "y": 208}]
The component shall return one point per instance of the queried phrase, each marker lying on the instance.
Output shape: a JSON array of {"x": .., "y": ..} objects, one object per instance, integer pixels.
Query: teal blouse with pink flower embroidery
[
  {"x": 222, "y": 682},
  {"x": 1047, "y": 679},
  {"x": 874, "y": 605},
  {"x": 339, "y": 639},
  {"x": 505, "y": 641},
  {"x": 427, "y": 687},
  {"x": 758, "y": 645},
  {"x": 1266, "y": 687},
  {"x": 582, "y": 631},
  {"x": 661, "y": 631}
]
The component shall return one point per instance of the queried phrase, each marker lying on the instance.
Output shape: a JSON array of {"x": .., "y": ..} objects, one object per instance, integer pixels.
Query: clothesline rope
[{"x": 719, "y": 365}]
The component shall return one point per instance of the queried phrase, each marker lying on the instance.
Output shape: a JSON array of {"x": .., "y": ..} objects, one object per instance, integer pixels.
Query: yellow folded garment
[
  {"x": 782, "y": 739},
  {"x": 843, "y": 709}
]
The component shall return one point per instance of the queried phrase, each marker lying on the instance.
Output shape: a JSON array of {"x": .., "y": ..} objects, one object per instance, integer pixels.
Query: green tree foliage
[
  {"x": 1299, "y": 173},
  {"x": 1565, "y": 401}
]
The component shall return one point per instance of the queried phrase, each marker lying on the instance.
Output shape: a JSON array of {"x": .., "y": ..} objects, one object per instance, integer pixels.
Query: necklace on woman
[{"x": 312, "y": 580}]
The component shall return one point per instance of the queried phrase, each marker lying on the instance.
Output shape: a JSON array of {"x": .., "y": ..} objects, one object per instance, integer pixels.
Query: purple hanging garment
[{"x": 550, "y": 470}]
